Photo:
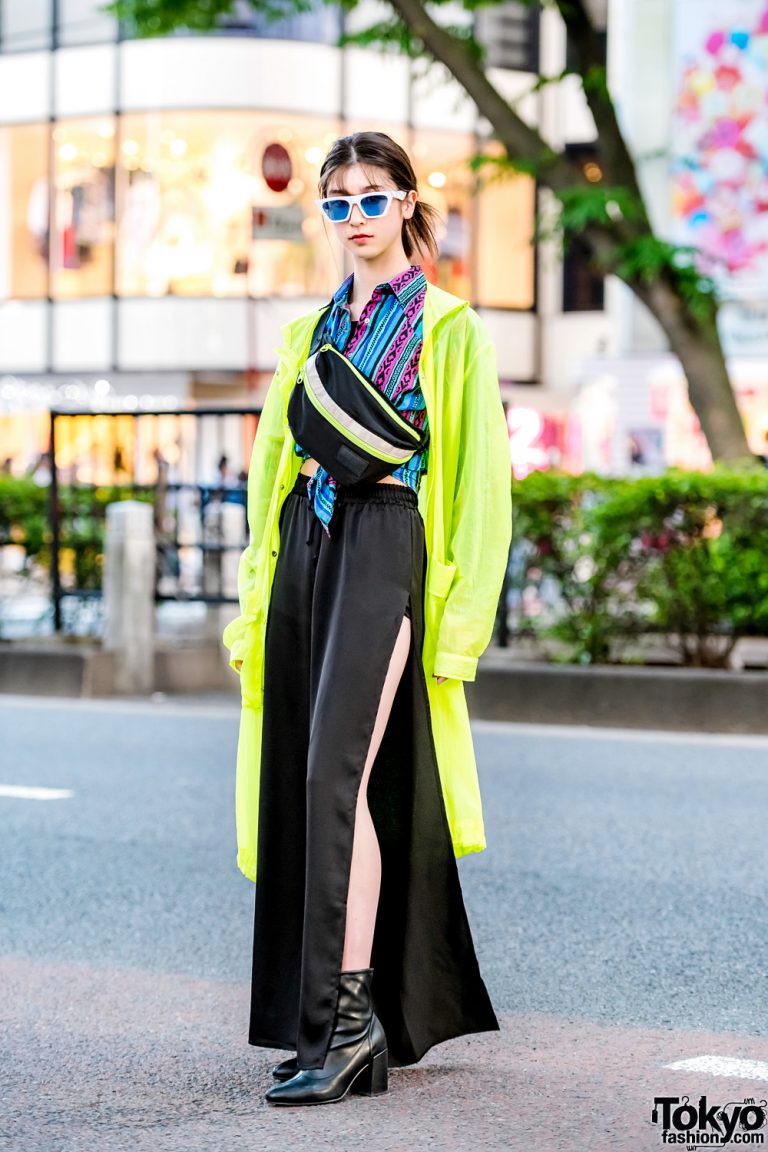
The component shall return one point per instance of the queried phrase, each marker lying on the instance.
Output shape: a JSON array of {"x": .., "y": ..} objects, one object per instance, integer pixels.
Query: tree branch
[
  {"x": 518, "y": 138},
  {"x": 590, "y": 67}
]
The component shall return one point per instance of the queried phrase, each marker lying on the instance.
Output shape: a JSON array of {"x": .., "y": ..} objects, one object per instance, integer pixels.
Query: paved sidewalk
[{"x": 107, "y": 1060}]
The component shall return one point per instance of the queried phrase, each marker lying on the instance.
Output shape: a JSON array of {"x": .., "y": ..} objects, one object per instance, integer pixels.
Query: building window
[
  {"x": 583, "y": 289},
  {"x": 506, "y": 204},
  {"x": 222, "y": 204},
  {"x": 510, "y": 35},
  {"x": 25, "y": 25},
  {"x": 82, "y": 22},
  {"x": 440, "y": 160},
  {"x": 583, "y": 286},
  {"x": 24, "y": 212},
  {"x": 84, "y": 212},
  {"x": 601, "y": 36}
]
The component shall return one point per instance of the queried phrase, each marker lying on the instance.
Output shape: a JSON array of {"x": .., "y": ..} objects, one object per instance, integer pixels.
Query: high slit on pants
[{"x": 335, "y": 612}]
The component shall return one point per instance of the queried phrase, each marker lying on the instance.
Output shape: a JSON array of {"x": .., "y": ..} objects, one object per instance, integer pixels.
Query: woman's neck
[{"x": 367, "y": 274}]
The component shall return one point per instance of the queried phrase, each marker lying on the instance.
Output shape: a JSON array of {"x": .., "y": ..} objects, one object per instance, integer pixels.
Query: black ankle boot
[
  {"x": 286, "y": 1069},
  {"x": 357, "y": 1056}
]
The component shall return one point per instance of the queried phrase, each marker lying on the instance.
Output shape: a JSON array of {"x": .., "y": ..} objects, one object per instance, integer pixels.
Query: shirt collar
[{"x": 396, "y": 285}]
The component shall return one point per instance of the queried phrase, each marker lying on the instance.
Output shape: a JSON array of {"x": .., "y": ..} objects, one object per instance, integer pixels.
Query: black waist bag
[{"x": 346, "y": 423}]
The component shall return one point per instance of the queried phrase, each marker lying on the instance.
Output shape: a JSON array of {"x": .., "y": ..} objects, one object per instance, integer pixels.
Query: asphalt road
[{"x": 619, "y": 914}]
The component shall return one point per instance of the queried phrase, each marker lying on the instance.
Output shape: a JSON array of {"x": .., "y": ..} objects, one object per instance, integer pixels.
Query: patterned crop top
[{"x": 385, "y": 344}]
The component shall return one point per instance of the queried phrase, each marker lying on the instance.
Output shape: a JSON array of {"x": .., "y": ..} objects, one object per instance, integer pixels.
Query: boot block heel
[{"x": 373, "y": 1080}]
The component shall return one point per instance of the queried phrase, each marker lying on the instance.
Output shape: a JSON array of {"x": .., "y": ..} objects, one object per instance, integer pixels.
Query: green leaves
[
  {"x": 385, "y": 34},
  {"x": 24, "y": 520},
  {"x": 505, "y": 166},
  {"x": 159, "y": 17},
  {"x": 597, "y": 204},
  {"x": 683, "y": 553},
  {"x": 647, "y": 258},
  {"x": 23, "y": 513},
  {"x": 146, "y": 18},
  {"x": 595, "y": 81}
]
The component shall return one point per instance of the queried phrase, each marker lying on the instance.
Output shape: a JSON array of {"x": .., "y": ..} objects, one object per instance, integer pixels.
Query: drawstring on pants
[
  {"x": 311, "y": 532},
  {"x": 315, "y": 526}
]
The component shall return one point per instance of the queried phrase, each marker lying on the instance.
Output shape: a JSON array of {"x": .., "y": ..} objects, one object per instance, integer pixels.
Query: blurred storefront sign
[
  {"x": 276, "y": 167},
  {"x": 536, "y": 440},
  {"x": 743, "y": 326},
  {"x": 277, "y": 222},
  {"x": 720, "y": 158},
  {"x": 633, "y": 415}
]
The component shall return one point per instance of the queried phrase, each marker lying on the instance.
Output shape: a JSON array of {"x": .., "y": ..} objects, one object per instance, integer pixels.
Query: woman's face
[{"x": 379, "y": 235}]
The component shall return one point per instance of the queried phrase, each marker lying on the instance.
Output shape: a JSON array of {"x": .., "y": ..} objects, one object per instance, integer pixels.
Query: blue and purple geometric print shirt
[{"x": 385, "y": 345}]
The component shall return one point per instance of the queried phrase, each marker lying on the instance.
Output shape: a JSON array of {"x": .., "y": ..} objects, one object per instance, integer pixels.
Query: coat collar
[{"x": 438, "y": 306}]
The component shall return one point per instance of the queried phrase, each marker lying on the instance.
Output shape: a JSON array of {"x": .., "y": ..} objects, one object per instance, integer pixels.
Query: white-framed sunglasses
[{"x": 338, "y": 209}]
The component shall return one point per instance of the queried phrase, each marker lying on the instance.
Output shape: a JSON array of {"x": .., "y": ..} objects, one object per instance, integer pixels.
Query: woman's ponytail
[{"x": 419, "y": 230}]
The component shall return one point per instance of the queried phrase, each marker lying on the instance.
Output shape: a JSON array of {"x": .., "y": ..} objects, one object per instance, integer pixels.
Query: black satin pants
[{"x": 335, "y": 612}]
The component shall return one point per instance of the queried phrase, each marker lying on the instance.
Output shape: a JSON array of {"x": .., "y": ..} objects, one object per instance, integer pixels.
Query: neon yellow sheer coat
[{"x": 466, "y": 503}]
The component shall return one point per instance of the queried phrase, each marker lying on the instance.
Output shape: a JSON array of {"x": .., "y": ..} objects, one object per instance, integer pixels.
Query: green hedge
[
  {"x": 23, "y": 514},
  {"x": 683, "y": 553},
  {"x": 24, "y": 520}
]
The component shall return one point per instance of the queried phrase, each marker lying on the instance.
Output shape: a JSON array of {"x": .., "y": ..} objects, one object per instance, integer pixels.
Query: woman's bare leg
[{"x": 365, "y": 871}]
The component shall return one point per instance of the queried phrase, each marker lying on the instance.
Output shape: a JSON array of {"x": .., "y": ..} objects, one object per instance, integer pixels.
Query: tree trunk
[{"x": 696, "y": 343}]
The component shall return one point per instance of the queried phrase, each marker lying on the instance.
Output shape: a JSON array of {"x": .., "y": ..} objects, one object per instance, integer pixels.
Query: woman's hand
[{"x": 440, "y": 678}]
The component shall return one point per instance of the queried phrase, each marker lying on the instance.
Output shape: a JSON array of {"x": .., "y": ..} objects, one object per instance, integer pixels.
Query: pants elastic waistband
[{"x": 366, "y": 492}]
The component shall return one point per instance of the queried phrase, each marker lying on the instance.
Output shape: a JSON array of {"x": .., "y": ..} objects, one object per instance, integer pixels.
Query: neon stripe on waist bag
[{"x": 346, "y": 424}]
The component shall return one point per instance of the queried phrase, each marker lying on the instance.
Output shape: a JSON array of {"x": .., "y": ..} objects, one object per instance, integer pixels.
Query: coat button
[{"x": 274, "y": 553}]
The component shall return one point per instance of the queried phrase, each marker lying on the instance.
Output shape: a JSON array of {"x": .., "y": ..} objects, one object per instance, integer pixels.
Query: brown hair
[{"x": 381, "y": 151}]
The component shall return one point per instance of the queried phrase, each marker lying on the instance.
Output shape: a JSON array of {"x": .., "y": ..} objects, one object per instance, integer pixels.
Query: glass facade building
[
  {"x": 180, "y": 204},
  {"x": 157, "y": 223}
]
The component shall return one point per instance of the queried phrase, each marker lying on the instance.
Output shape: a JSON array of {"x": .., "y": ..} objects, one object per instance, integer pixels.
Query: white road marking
[
  {"x": 724, "y": 1066},
  {"x": 22, "y": 793}
]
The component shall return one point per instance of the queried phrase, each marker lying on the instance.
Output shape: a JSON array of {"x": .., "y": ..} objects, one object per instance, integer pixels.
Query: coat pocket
[
  {"x": 439, "y": 578},
  {"x": 251, "y": 669}
]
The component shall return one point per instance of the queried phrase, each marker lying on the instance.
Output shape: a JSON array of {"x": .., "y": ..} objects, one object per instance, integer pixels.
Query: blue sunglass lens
[
  {"x": 336, "y": 210},
  {"x": 374, "y": 205}
]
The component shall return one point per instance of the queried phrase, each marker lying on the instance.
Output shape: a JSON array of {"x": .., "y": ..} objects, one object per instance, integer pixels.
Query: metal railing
[{"x": 190, "y": 464}]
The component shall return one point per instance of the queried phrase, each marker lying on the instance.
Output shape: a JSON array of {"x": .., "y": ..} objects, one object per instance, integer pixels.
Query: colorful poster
[{"x": 720, "y": 149}]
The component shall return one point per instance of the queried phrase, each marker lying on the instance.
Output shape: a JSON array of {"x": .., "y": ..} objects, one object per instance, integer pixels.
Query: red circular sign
[{"x": 276, "y": 167}]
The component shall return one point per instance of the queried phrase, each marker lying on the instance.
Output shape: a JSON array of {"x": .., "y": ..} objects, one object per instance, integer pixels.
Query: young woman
[{"x": 364, "y": 608}]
